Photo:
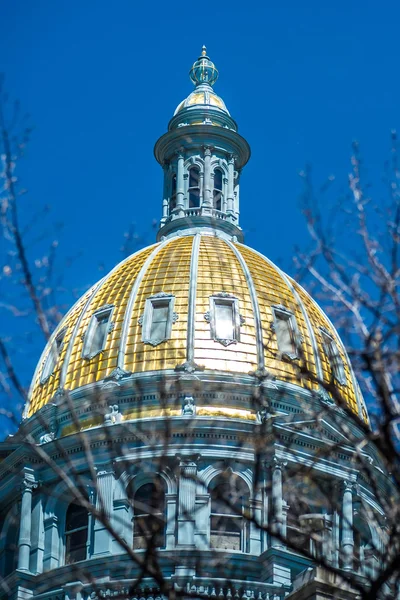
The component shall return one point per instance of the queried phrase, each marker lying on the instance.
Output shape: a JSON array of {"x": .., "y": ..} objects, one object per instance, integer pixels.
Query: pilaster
[
  {"x": 277, "y": 468},
  {"x": 102, "y": 538},
  {"x": 187, "y": 500}
]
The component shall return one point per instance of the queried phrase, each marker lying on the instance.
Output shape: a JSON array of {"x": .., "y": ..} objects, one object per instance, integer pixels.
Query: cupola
[{"x": 202, "y": 155}]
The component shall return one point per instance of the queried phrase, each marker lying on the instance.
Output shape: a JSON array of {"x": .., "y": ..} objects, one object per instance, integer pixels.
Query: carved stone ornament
[
  {"x": 114, "y": 416},
  {"x": 263, "y": 374},
  {"x": 117, "y": 374},
  {"x": 189, "y": 367},
  {"x": 155, "y": 342},
  {"x": 47, "y": 437},
  {"x": 28, "y": 484},
  {"x": 189, "y": 407},
  {"x": 324, "y": 397},
  {"x": 225, "y": 342},
  {"x": 160, "y": 295},
  {"x": 224, "y": 295}
]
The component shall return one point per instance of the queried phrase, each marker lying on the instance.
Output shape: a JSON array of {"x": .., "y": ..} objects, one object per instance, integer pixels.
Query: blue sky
[{"x": 101, "y": 80}]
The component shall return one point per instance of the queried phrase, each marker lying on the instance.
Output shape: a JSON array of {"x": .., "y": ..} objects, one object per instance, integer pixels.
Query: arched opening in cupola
[
  {"x": 218, "y": 194},
  {"x": 194, "y": 187},
  {"x": 149, "y": 515},
  {"x": 172, "y": 199},
  {"x": 229, "y": 502}
]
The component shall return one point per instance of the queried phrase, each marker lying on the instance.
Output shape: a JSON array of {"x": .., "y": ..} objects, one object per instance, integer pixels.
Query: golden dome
[
  {"x": 192, "y": 268},
  {"x": 202, "y": 97}
]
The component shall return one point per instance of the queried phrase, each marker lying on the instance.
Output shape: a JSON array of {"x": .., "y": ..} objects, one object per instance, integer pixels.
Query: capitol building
[{"x": 193, "y": 423}]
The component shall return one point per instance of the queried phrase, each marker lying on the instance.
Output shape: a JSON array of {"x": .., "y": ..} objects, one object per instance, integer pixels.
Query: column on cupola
[
  {"x": 187, "y": 500},
  {"x": 180, "y": 187},
  {"x": 230, "y": 207},
  {"x": 347, "y": 544},
  {"x": 102, "y": 539},
  {"x": 25, "y": 526},
  {"x": 165, "y": 205},
  {"x": 277, "y": 502},
  {"x": 207, "y": 200}
]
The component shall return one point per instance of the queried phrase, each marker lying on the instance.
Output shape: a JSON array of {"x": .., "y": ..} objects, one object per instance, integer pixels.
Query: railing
[{"x": 199, "y": 212}]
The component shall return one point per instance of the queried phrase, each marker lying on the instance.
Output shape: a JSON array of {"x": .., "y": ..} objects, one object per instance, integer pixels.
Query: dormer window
[
  {"x": 224, "y": 318},
  {"x": 158, "y": 318},
  {"x": 194, "y": 187},
  {"x": 172, "y": 200},
  {"x": 52, "y": 357},
  {"x": 218, "y": 189},
  {"x": 334, "y": 357},
  {"x": 99, "y": 327},
  {"x": 286, "y": 331}
]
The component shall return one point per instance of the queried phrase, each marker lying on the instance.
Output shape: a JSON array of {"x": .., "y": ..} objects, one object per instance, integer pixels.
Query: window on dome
[
  {"x": 286, "y": 332},
  {"x": 334, "y": 358},
  {"x": 158, "y": 318},
  {"x": 52, "y": 357},
  {"x": 172, "y": 200},
  {"x": 224, "y": 318},
  {"x": 194, "y": 187},
  {"x": 96, "y": 334},
  {"x": 218, "y": 189},
  {"x": 76, "y": 533},
  {"x": 149, "y": 515},
  {"x": 228, "y": 525}
]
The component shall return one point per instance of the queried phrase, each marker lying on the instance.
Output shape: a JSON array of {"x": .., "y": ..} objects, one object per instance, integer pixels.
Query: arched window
[
  {"x": 149, "y": 515},
  {"x": 76, "y": 533},
  {"x": 308, "y": 516},
  {"x": 194, "y": 187},
  {"x": 218, "y": 189},
  {"x": 229, "y": 499},
  {"x": 297, "y": 536},
  {"x": 10, "y": 545},
  {"x": 364, "y": 550},
  {"x": 172, "y": 200}
]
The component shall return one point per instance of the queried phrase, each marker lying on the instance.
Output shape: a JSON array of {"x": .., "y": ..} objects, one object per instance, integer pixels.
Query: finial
[{"x": 203, "y": 71}]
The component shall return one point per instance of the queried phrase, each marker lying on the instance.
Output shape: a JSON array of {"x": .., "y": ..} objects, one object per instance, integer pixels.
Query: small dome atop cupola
[
  {"x": 203, "y": 70},
  {"x": 203, "y": 74}
]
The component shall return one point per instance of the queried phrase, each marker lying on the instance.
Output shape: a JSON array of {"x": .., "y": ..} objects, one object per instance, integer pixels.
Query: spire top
[{"x": 203, "y": 71}]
